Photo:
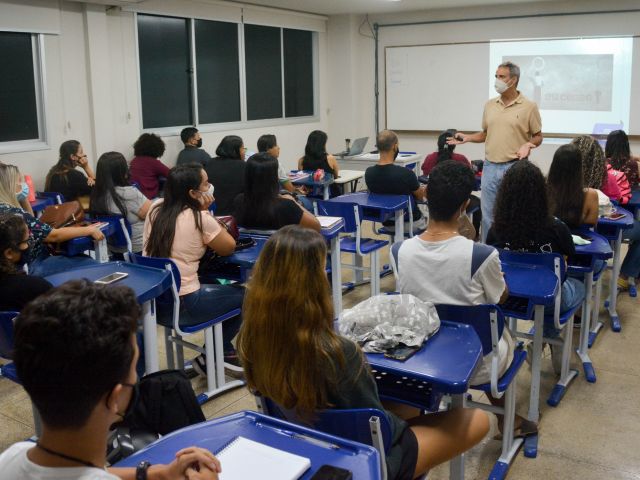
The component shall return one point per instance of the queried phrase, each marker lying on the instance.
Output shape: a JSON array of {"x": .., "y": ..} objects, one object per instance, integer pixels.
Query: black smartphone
[
  {"x": 401, "y": 353},
  {"x": 329, "y": 472}
]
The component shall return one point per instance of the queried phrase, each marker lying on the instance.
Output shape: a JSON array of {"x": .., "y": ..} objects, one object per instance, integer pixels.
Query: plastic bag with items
[{"x": 383, "y": 322}]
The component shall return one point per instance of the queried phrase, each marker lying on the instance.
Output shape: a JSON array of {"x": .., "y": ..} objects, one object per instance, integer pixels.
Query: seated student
[
  {"x": 441, "y": 266},
  {"x": 64, "y": 178},
  {"x": 38, "y": 257},
  {"x": 226, "y": 173},
  {"x": 192, "y": 152},
  {"x": 81, "y": 391},
  {"x": 619, "y": 157},
  {"x": 446, "y": 152},
  {"x": 146, "y": 169},
  {"x": 386, "y": 177},
  {"x": 291, "y": 354},
  {"x": 594, "y": 167},
  {"x": 261, "y": 206},
  {"x": 523, "y": 222},
  {"x": 17, "y": 289},
  {"x": 316, "y": 157},
  {"x": 114, "y": 195},
  {"x": 268, "y": 144},
  {"x": 181, "y": 227},
  {"x": 570, "y": 201}
]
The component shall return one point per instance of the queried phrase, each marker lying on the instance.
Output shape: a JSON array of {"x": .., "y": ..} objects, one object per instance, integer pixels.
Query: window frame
[
  {"x": 40, "y": 143},
  {"x": 243, "y": 123}
]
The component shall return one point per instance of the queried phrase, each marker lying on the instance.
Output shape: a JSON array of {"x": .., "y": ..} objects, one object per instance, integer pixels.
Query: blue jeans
[
  {"x": 210, "y": 302},
  {"x": 572, "y": 296},
  {"x": 46, "y": 265},
  {"x": 492, "y": 174},
  {"x": 631, "y": 263}
]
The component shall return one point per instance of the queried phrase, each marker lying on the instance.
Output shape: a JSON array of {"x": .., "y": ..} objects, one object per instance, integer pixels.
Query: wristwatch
[{"x": 141, "y": 470}]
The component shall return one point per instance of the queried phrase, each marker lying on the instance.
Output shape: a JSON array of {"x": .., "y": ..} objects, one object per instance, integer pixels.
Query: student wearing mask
[
  {"x": 192, "y": 152},
  {"x": 80, "y": 392},
  {"x": 64, "y": 178}
]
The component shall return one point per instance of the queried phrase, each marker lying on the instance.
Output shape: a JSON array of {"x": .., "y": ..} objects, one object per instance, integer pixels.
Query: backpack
[{"x": 623, "y": 184}]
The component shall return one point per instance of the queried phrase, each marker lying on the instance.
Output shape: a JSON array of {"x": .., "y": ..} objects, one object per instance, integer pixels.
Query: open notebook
[{"x": 243, "y": 459}]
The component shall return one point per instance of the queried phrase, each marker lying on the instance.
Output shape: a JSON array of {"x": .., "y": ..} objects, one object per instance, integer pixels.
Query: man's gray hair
[{"x": 514, "y": 70}]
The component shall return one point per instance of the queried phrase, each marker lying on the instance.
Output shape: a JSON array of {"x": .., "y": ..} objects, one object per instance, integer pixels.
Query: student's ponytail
[{"x": 445, "y": 151}]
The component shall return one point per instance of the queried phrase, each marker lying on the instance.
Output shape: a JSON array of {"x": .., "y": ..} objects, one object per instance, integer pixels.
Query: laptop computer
[{"x": 357, "y": 147}]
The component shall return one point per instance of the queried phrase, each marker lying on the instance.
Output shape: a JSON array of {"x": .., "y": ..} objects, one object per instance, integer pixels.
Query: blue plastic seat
[
  {"x": 174, "y": 331},
  {"x": 489, "y": 323},
  {"x": 355, "y": 243},
  {"x": 122, "y": 236},
  {"x": 365, "y": 425}
]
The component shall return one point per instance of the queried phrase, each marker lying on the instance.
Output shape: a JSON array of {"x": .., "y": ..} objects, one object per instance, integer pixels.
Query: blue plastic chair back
[
  {"x": 341, "y": 209},
  {"x": 477, "y": 316},
  {"x": 543, "y": 259},
  {"x": 55, "y": 196},
  {"x": 118, "y": 239},
  {"x": 352, "y": 424},
  {"x": 6, "y": 333},
  {"x": 160, "y": 263}
]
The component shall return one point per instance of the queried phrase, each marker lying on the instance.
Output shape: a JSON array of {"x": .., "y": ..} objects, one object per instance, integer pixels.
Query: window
[
  {"x": 242, "y": 72},
  {"x": 20, "y": 87}
]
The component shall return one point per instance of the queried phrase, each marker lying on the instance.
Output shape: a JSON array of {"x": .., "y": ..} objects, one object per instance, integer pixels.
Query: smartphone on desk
[
  {"x": 111, "y": 278},
  {"x": 401, "y": 353},
  {"x": 614, "y": 216}
]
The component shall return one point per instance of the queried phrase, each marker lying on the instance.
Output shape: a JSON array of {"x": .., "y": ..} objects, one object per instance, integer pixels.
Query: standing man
[
  {"x": 192, "y": 152},
  {"x": 511, "y": 127}
]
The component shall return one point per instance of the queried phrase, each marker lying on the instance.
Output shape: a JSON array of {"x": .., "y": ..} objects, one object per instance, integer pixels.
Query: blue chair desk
[
  {"x": 40, "y": 203},
  {"x": 612, "y": 230},
  {"x": 147, "y": 284},
  {"x": 79, "y": 245},
  {"x": 584, "y": 263},
  {"x": 531, "y": 288},
  {"x": 446, "y": 362},
  {"x": 378, "y": 208},
  {"x": 310, "y": 182},
  {"x": 322, "y": 449},
  {"x": 634, "y": 204}
]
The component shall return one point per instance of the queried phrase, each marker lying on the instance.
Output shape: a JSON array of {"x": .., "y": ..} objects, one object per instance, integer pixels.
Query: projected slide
[{"x": 576, "y": 83}]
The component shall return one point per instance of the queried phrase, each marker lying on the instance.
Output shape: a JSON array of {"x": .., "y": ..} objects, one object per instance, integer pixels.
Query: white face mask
[
  {"x": 501, "y": 86},
  {"x": 210, "y": 189}
]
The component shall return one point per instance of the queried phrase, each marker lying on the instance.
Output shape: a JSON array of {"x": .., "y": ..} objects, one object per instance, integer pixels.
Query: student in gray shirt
[{"x": 193, "y": 152}]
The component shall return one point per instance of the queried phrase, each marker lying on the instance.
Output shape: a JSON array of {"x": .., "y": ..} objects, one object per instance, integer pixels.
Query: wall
[
  {"x": 362, "y": 50},
  {"x": 92, "y": 95}
]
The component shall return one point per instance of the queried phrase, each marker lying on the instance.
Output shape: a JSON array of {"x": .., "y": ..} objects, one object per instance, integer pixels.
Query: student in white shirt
[
  {"x": 443, "y": 267},
  {"x": 75, "y": 353}
]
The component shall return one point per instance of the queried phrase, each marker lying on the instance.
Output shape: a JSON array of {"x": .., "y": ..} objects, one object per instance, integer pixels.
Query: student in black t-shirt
[
  {"x": 64, "y": 178},
  {"x": 523, "y": 223},
  {"x": 17, "y": 288},
  {"x": 226, "y": 172},
  {"x": 386, "y": 177},
  {"x": 261, "y": 206}
]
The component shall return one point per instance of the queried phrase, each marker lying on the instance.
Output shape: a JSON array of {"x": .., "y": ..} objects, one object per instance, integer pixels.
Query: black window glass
[
  {"x": 298, "y": 72},
  {"x": 263, "y": 68}
]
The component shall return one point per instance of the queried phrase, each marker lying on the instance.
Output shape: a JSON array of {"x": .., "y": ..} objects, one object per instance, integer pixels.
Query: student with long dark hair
[
  {"x": 618, "y": 154},
  {"x": 17, "y": 289},
  {"x": 523, "y": 222},
  {"x": 445, "y": 152},
  {"x": 181, "y": 227},
  {"x": 291, "y": 354},
  {"x": 261, "y": 206},
  {"x": 146, "y": 169},
  {"x": 570, "y": 201},
  {"x": 64, "y": 178},
  {"x": 114, "y": 195},
  {"x": 226, "y": 173},
  {"x": 316, "y": 157}
]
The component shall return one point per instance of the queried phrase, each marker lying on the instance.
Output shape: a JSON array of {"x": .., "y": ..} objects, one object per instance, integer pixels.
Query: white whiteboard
[{"x": 435, "y": 87}]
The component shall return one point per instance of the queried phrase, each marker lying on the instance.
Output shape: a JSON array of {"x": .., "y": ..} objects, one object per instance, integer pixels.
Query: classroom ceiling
[{"x": 340, "y": 7}]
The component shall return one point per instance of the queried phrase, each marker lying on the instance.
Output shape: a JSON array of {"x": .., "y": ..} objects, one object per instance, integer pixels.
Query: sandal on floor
[{"x": 526, "y": 429}]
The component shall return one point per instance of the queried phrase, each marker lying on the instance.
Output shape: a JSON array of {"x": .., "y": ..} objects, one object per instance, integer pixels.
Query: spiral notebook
[{"x": 242, "y": 458}]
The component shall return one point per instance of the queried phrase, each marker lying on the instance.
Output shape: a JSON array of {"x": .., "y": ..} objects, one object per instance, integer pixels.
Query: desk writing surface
[
  {"x": 447, "y": 360},
  {"x": 389, "y": 203},
  {"x": 361, "y": 460},
  {"x": 599, "y": 246},
  {"x": 538, "y": 284},
  {"x": 624, "y": 222},
  {"x": 146, "y": 282},
  {"x": 346, "y": 176}
]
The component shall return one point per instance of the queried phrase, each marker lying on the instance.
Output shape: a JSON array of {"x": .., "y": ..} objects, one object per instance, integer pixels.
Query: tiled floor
[{"x": 594, "y": 434}]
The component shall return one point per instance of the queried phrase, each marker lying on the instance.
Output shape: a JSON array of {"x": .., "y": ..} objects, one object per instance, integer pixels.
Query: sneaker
[
  {"x": 199, "y": 364},
  {"x": 623, "y": 284}
]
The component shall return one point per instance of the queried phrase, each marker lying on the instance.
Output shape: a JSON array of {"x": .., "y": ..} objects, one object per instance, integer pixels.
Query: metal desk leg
[
  {"x": 531, "y": 443},
  {"x": 596, "y": 323},
  {"x": 456, "y": 465},
  {"x": 325, "y": 192},
  {"x": 583, "y": 346},
  {"x": 399, "y": 223},
  {"x": 613, "y": 290},
  {"x": 150, "y": 338},
  {"x": 336, "y": 276},
  {"x": 101, "y": 249}
]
